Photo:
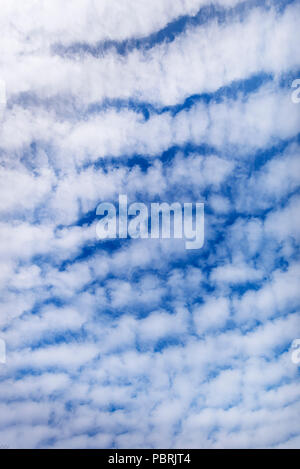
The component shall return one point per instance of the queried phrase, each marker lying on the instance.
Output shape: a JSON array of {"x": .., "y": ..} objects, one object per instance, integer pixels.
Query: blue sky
[{"x": 142, "y": 343}]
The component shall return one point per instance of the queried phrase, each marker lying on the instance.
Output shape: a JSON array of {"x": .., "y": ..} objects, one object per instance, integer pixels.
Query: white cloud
[
  {"x": 188, "y": 349},
  {"x": 210, "y": 53}
]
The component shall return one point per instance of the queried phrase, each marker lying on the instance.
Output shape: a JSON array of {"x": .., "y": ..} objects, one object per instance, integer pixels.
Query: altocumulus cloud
[{"x": 141, "y": 343}]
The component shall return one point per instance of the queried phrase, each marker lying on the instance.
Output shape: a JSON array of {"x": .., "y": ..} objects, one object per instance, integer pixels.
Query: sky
[{"x": 141, "y": 343}]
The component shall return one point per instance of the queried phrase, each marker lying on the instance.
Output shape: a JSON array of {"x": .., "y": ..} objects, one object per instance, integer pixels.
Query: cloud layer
[{"x": 141, "y": 343}]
